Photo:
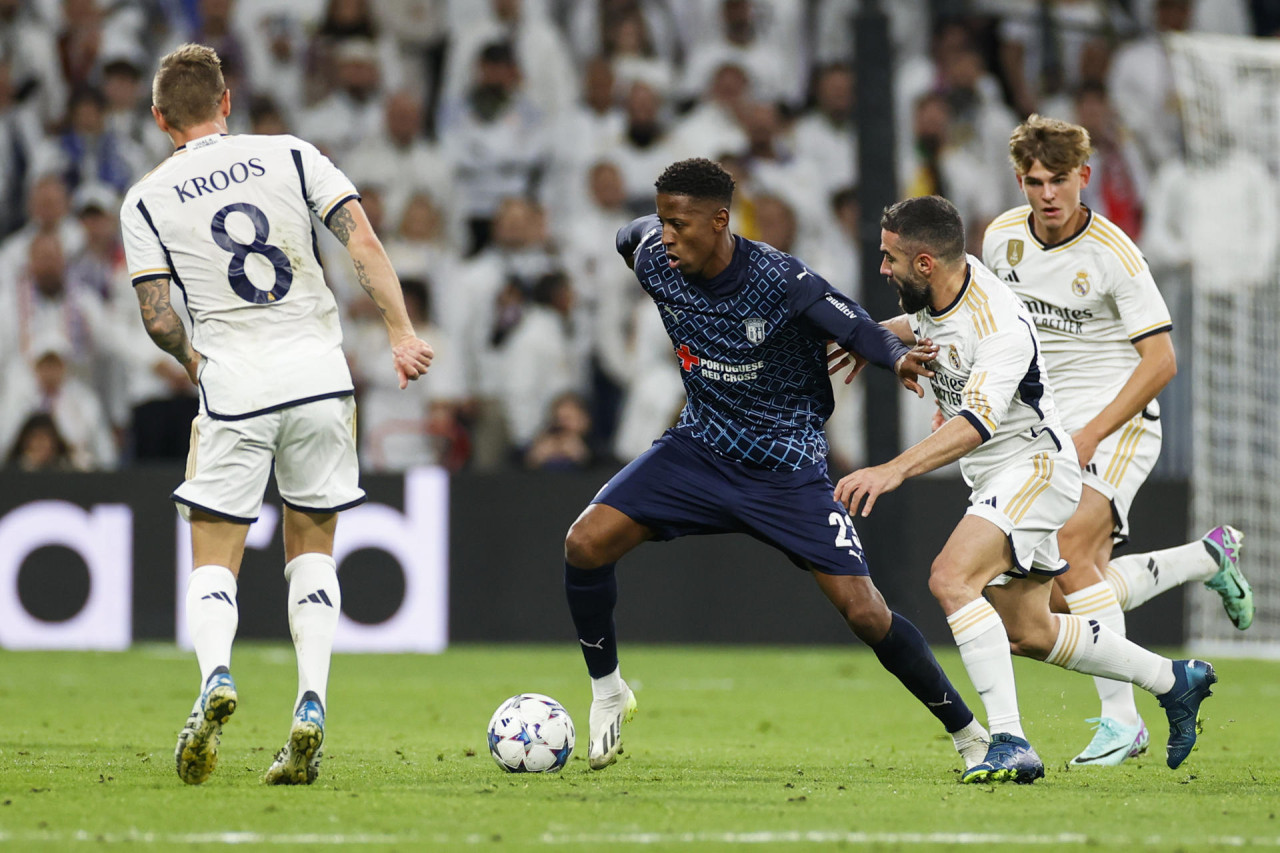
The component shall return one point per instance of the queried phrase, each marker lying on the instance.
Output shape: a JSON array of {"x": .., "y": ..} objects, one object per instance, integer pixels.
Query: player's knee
[
  {"x": 584, "y": 548},
  {"x": 948, "y": 586}
]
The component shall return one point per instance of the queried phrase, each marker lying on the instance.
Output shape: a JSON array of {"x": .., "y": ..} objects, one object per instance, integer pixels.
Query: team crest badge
[
  {"x": 1080, "y": 287},
  {"x": 953, "y": 356},
  {"x": 755, "y": 330},
  {"x": 1013, "y": 252}
]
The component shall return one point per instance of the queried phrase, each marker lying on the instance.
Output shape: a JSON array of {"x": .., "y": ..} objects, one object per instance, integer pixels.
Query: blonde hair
[
  {"x": 188, "y": 86},
  {"x": 1059, "y": 146}
]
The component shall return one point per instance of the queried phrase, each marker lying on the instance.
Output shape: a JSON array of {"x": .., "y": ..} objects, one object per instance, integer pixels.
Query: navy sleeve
[
  {"x": 827, "y": 314},
  {"x": 630, "y": 235}
]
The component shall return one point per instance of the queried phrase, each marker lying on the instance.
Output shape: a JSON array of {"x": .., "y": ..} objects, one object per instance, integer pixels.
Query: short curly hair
[
  {"x": 927, "y": 224},
  {"x": 697, "y": 177}
]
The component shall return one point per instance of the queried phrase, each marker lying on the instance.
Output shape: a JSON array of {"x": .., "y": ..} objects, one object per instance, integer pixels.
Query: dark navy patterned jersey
[{"x": 752, "y": 347}]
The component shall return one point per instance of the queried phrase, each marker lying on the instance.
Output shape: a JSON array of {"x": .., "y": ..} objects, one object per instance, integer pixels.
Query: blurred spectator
[
  {"x": 48, "y": 211},
  {"x": 421, "y": 248},
  {"x": 764, "y": 37},
  {"x": 39, "y": 447},
  {"x": 43, "y": 310},
  {"x": 538, "y": 48},
  {"x": 1118, "y": 181},
  {"x": 591, "y": 23},
  {"x": 127, "y": 112},
  {"x": 713, "y": 124},
  {"x": 654, "y": 393},
  {"x": 31, "y": 49},
  {"x": 833, "y": 29},
  {"x": 929, "y": 164},
  {"x": 629, "y": 46},
  {"x": 88, "y": 151},
  {"x": 275, "y": 38},
  {"x": 582, "y": 135},
  {"x": 538, "y": 356},
  {"x": 489, "y": 290},
  {"x": 824, "y": 135},
  {"x": 1053, "y": 46},
  {"x": 399, "y": 430},
  {"x": 402, "y": 159},
  {"x": 1141, "y": 85},
  {"x": 1229, "y": 17},
  {"x": 495, "y": 142},
  {"x": 343, "y": 22},
  {"x": 43, "y": 385},
  {"x": 352, "y": 112},
  {"x": 565, "y": 442},
  {"x": 645, "y": 147},
  {"x": 265, "y": 116},
  {"x": 20, "y": 135},
  {"x": 771, "y": 160},
  {"x": 99, "y": 266}
]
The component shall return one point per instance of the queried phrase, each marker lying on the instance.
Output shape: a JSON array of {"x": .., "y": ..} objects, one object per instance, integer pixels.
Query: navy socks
[
  {"x": 592, "y": 594},
  {"x": 904, "y": 652}
]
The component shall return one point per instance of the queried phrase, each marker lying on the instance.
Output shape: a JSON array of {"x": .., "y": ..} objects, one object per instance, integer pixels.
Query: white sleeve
[
  {"x": 1002, "y": 362},
  {"x": 325, "y": 185},
  {"x": 1138, "y": 301},
  {"x": 143, "y": 252}
]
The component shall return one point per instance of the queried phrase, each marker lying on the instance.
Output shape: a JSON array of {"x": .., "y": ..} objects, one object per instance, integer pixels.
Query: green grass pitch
[{"x": 765, "y": 748}]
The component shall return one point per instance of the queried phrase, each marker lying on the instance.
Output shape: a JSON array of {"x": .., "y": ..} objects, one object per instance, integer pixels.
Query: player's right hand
[
  {"x": 411, "y": 356},
  {"x": 916, "y": 363}
]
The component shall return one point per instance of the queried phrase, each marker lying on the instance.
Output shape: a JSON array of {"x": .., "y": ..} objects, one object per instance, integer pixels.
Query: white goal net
[{"x": 1229, "y": 89}]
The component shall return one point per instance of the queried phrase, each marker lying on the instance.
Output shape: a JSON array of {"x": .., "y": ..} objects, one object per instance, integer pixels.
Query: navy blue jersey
[{"x": 752, "y": 347}]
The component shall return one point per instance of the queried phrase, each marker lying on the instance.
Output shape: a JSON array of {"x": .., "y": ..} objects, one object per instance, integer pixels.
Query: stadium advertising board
[{"x": 97, "y": 561}]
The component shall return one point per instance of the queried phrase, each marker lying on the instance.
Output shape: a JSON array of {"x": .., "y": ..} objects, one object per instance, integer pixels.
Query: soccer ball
[{"x": 531, "y": 733}]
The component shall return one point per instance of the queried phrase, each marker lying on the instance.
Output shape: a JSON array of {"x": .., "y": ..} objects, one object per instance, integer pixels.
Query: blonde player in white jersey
[
  {"x": 1000, "y": 422},
  {"x": 1108, "y": 348},
  {"x": 228, "y": 219}
]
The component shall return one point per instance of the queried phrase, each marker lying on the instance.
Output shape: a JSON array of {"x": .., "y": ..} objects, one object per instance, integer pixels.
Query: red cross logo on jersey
[{"x": 688, "y": 361}]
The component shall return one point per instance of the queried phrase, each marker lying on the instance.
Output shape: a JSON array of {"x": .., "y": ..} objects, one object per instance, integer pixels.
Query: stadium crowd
[{"x": 498, "y": 146}]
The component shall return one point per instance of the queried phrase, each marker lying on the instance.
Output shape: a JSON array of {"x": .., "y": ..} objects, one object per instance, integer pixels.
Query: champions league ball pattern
[{"x": 531, "y": 733}]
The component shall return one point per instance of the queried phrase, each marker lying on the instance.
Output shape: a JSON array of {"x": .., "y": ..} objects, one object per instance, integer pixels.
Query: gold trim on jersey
[
  {"x": 1016, "y": 216},
  {"x": 977, "y": 402},
  {"x": 1132, "y": 264},
  {"x": 1125, "y": 450},
  {"x": 164, "y": 270},
  {"x": 1149, "y": 329},
  {"x": 1035, "y": 486},
  {"x": 330, "y": 205},
  {"x": 1122, "y": 239}
]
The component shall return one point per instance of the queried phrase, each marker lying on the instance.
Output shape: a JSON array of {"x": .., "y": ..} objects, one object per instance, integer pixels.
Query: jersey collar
[
  {"x": 1031, "y": 229},
  {"x": 964, "y": 288},
  {"x": 199, "y": 142}
]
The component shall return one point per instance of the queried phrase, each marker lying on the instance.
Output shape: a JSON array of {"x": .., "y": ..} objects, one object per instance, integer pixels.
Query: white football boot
[{"x": 607, "y": 717}]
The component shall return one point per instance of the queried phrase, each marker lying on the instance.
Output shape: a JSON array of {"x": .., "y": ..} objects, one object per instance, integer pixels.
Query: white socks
[
  {"x": 315, "y": 601},
  {"x": 609, "y": 686},
  {"x": 212, "y": 617},
  {"x": 1138, "y": 578},
  {"x": 1086, "y": 645},
  {"x": 1099, "y": 602},
  {"x": 984, "y": 648}
]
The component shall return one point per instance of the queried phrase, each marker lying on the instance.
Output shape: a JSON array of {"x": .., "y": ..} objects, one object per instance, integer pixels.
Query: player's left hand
[
  {"x": 838, "y": 358},
  {"x": 867, "y": 483},
  {"x": 1086, "y": 446},
  {"x": 916, "y": 363},
  {"x": 412, "y": 356}
]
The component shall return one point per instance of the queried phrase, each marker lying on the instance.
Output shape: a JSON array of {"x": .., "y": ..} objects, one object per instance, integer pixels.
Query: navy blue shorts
[{"x": 680, "y": 487}]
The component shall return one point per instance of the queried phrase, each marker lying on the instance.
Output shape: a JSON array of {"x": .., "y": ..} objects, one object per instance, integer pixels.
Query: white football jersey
[
  {"x": 989, "y": 370},
  {"x": 1092, "y": 298},
  {"x": 229, "y": 220}
]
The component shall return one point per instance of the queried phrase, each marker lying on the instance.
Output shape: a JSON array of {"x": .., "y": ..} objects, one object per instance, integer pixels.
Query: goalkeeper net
[{"x": 1228, "y": 89}]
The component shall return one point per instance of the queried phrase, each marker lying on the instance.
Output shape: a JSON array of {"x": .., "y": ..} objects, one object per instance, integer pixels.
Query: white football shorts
[
  {"x": 1122, "y": 464},
  {"x": 1029, "y": 501},
  {"x": 312, "y": 446}
]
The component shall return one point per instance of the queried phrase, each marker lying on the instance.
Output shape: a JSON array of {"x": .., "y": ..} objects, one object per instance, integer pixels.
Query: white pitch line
[{"x": 636, "y": 838}]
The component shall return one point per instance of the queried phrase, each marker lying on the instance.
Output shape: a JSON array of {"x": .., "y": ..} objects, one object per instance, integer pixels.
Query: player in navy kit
[{"x": 749, "y": 325}]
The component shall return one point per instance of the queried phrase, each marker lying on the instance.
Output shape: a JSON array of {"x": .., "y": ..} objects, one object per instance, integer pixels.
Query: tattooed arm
[
  {"x": 410, "y": 354},
  {"x": 164, "y": 326}
]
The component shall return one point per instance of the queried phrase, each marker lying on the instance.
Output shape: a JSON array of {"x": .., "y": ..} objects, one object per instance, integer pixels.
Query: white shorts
[
  {"x": 1029, "y": 501},
  {"x": 1122, "y": 464},
  {"x": 312, "y": 445}
]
